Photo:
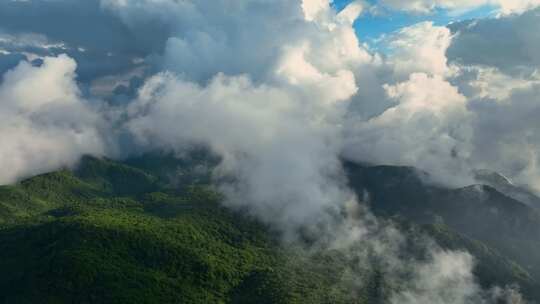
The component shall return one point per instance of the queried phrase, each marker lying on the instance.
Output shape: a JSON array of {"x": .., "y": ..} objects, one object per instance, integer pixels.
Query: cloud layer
[{"x": 281, "y": 90}]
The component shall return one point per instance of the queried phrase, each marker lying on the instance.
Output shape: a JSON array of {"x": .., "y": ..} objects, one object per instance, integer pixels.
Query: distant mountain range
[
  {"x": 151, "y": 230},
  {"x": 489, "y": 214}
]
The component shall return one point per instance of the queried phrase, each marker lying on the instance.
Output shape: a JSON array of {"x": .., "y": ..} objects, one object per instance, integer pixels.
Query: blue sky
[{"x": 370, "y": 27}]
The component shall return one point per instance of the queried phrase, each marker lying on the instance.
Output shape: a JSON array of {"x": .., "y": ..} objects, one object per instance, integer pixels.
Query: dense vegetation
[{"x": 110, "y": 232}]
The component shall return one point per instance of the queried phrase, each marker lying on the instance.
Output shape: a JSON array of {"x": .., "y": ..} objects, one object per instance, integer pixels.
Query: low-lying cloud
[{"x": 44, "y": 123}]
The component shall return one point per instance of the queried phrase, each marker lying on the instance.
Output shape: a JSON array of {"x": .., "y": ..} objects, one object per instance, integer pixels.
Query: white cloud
[
  {"x": 314, "y": 8},
  {"x": 44, "y": 124},
  {"x": 352, "y": 11},
  {"x": 269, "y": 137},
  {"x": 458, "y": 6},
  {"x": 491, "y": 83},
  {"x": 275, "y": 76},
  {"x": 280, "y": 150},
  {"x": 517, "y": 6},
  {"x": 28, "y": 41},
  {"x": 446, "y": 279},
  {"x": 275, "y": 115},
  {"x": 428, "y": 6},
  {"x": 420, "y": 48},
  {"x": 459, "y": 113},
  {"x": 319, "y": 54},
  {"x": 207, "y": 38},
  {"x": 428, "y": 127}
]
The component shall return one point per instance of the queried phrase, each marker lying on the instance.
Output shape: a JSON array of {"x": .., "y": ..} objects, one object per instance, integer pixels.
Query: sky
[{"x": 371, "y": 27}]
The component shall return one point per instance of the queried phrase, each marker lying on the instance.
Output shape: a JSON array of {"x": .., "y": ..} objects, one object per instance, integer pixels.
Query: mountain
[
  {"x": 109, "y": 232},
  {"x": 504, "y": 185},
  {"x": 152, "y": 230},
  {"x": 502, "y": 224}
]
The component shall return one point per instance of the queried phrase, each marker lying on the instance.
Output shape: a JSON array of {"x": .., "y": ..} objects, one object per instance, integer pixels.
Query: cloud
[
  {"x": 447, "y": 278},
  {"x": 419, "y": 48},
  {"x": 500, "y": 79},
  {"x": 207, "y": 38},
  {"x": 505, "y": 7},
  {"x": 269, "y": 138},
  {"x": 44, "y": 124},
  {"x": 428, "y": 6},
  {"x": 491, "y": 83},
  {"x": 450, "y": 114},
  {"x": 498, "y": 42},
  {"x": 510, "y": 120},
  {"x": 428, "y": 127},
  {"x": 98, "y": 40},
  {"x": 283, "y": 132},
  {"x": 352, "y": 11},
  {"x": 517, "y": 6}
]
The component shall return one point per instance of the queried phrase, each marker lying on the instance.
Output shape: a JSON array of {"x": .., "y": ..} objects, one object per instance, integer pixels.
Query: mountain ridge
[{"x": 114, "y": 232}]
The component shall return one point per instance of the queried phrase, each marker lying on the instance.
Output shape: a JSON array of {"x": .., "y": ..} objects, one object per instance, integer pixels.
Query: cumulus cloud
[
  {"x": 427, "y": 127},
  {"x": 419, "y": 48},
  {"x": 509, "y": 43},
  {"x": 44, "y": 124},
  {"x": 422, "y": 118},
  {"x": 269, "y": 138},
  {"x": 501, "y": 82},
  {"x": 450, "y": 111},
  {"x": 458, "y": 6},
  {"x": 517, "y": 6},
  {"x": 225, "y": 37},
  {"x": 492, "y": 83},
  {"x": 283, "y": 133},
  {"x": 207, "y": 38}
]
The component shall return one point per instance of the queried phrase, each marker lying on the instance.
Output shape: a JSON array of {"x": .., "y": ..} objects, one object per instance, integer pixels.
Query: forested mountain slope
[{"x": 111, "y": 232}]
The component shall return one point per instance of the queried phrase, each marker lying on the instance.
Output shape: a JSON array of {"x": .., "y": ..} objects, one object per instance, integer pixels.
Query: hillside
[
  {"x": 110, "y": 232},
  {"x": 501, "y": 224}
]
